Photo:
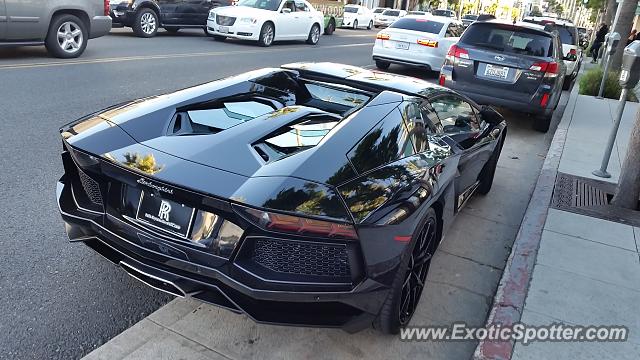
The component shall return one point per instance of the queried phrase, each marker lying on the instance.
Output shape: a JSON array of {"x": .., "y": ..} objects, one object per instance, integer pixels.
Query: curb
[{"x": 511, "y": 294}]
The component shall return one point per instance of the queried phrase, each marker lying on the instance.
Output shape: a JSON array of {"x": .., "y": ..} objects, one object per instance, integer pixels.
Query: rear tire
[
  {"x": 331, "y": 27},
  {"x": 67, "y": 37},
  {"x": 355, "y": 24},
  {"x": 376, "y": 26},
  {"x": 410, "y": 278},
  {"x": 267, "y": 34},
  {"x": 370, "y": 25},
  {"x": 172, "y": 29},
  {"x": 541, "y": 123},
  {"x": 489, "y": 170},
  {"x": 382, "y": 65},
  {"x": 568, "y": 80},
  {"x": 146, "y": 23}
]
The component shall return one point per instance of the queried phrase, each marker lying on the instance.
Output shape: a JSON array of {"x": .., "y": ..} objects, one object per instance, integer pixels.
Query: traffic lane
[
  {"x": 64, "y": 300},
  {"x": 123, "y": 43}
]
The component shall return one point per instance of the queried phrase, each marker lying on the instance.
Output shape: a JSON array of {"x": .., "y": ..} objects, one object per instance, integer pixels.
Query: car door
[
  {"x": 194, "y": 12},
  {"x": 26, "y": 20},
  {"x": 303, "y": 18},
  {"x": 285, "y": 21},
  {"x": 462, "y": 128},
  {"x": 170, "y": 11},
  {"x": 3, "y": 21}
]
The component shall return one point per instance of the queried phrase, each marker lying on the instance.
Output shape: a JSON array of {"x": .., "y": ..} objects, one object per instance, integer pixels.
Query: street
[{"x": 62, "y": 300}]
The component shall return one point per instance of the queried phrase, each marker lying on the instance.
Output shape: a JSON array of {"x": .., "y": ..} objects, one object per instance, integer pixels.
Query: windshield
[
  {"x": 470, "y": 17},
  {"x": 378, "y": 11},
  {"x": 422, "y": 25},
  {"x": 440, "y": 12},
  {"x": 391, "y": 13},
  {"x": 350, "y": 9},
  {"x": 508, "y": 39},
  {"x": 272, "y": 5}
]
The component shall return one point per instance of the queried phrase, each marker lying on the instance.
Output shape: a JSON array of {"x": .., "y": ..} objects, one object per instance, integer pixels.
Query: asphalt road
[{"x": 61, "y": 300}]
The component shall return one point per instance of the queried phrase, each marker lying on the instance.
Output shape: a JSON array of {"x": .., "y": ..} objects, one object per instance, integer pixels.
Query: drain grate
[{"x": 589, "y": 197}]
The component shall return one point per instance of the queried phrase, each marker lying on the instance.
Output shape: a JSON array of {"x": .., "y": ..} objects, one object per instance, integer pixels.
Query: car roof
[
  {"x": 521, "y": 24},
  {"x": 557, "y": 21},
  {"x": 365, "y": 79},
  {"x": 443, "y": 19}
]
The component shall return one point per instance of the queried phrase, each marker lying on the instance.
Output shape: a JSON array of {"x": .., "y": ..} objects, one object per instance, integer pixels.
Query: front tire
[
  {"x": 382, "y": 65},
  {"x": 314, "y": 35},
  {"x": 267, "y": 34},
  {"x": 370, "y": 25},
  {"x": 489, "y": 170},
  {"x": 566, "y": 85},
  {"x": 542, "y": 123},
  {"x": 146, "y": 23},
  {"x": 67, "y": 37},
  {"x": 410, "y": 279},
  {"x": 219, "y": 37},
  {"x": 355, "y": 24}
]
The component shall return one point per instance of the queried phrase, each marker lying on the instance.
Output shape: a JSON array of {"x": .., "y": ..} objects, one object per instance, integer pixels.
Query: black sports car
[{"x": 312, "y": 194}]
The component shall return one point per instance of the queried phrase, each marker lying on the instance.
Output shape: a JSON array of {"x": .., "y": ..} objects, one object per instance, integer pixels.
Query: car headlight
[
  {"x": 212, "y": 15},
  {"x": 249, "y": 20}
]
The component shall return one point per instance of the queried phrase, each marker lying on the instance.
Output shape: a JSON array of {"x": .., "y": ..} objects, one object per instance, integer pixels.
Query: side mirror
[
  {"x": 490, "y": 115},
  {"x": 286, "y": 11}
]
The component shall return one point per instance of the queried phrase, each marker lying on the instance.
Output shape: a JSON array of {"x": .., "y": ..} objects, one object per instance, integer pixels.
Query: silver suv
[{"x": 63, "y": 26}]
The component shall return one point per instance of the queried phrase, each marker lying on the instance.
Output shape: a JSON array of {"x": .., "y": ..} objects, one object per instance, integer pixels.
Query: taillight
[
  {"x": 550, "y": 69},
  {"x": 106, "y": 8},
  {"x": 297, "y": 225},
  {"x": 383, "y": 36},
  {"x": 441, "y": 80},
  {"x": 456, "y": 51},
  {"x": 429, "y": 43},
  {"x": 545, "y": 100}
]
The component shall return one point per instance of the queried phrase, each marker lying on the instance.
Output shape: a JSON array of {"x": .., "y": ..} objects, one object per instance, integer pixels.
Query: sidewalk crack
[
  {"x": 472, "y": 260},
  {"x": 488, "y": 298},
  {"x": 192, "y": 340}
]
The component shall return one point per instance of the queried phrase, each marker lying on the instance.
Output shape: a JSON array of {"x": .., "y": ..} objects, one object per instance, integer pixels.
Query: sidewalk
[{"x": 587, "y": 270}]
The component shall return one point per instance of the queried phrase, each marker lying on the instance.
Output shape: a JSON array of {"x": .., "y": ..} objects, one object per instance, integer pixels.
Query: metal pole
[
  {"x": 606, "y": 60},
  {"x": 602, "y": 172}
]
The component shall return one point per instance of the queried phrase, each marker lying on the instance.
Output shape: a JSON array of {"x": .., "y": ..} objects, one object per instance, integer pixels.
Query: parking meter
[
  {"x": 612, "y": 42},
  {"x": 630, "y": 73}
]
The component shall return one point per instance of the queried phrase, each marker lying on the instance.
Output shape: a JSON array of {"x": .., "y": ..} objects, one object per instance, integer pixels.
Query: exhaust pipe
[{"x": 153, "y": 281}]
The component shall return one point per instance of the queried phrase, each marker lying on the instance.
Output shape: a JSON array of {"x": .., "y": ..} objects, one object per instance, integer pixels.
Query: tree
[
  {"x": 610, "y": 12},
  {"x": 628, "y": 189},
  {"x": 623, "y": 27},
  {"x": 536, "y": 11}
]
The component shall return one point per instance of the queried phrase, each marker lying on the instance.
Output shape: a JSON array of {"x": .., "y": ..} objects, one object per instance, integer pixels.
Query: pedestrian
[
  {"x": 598, "y": 41},
  {"x": 632, "y": 37}
]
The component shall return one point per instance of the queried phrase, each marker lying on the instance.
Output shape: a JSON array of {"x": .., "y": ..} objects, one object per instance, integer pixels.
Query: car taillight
[
  {"x": 429, "y": 43},
  {"x": 383, "y": 37},
  {"x": 106, "y": 8},
  {"x": 441, "y": 80},
  {"x": 545, "y": 100},
  {"x": 298, "y": 225},
  {"x": 456, "y": 51},
  {"x": 550, "y": 69}
]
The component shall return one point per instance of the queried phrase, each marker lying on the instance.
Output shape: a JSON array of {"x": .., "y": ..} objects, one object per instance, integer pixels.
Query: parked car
[
  {"x": 444, "y": 12},
  {"x": 518, "y": 66},
  {"x": 341, "y": 185},
  {"x": 266, "y": 21},
  {"x": 388, "y": 17},
  {"x": 571, "y": 49},
  {"x": 468, "y": 19},
  {"x": 356, "y": 16},
  {"x": 416, "y": 41},
  {"x": 333, "y": 12},
  {"x": 145, "y": 17},
  {"x": 421, "y": 13},
  {"x": 584, "y": 37},
  {"x": 64, "y": 28},
  {"x": 485, "y": 17},
  {"x": 377, "y": 12}
]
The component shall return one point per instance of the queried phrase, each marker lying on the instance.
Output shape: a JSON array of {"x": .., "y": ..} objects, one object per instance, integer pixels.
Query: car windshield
[
  {"x": 350, "y": 9},
  {"x": 508, "y": 39},
  {"x": 272, "y": 5},
  {"x": 440, "y": 12},
  {"x": 418, "y": 24},
  {"x": 378, "y": 11},
  {"x": 470, "y": 17},
  {"x": 416, "y": 13},
  {"x": 391, "y": 13}
]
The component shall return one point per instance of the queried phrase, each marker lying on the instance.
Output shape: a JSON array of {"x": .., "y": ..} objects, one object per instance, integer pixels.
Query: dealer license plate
[{"x": 164, "y": 214}]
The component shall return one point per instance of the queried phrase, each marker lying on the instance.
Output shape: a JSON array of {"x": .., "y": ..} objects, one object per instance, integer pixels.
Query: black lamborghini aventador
[{"x": 312, "y": 194}]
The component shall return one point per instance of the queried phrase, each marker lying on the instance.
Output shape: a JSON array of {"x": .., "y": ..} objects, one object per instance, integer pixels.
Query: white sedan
[
  {"x": 356, "y": 16},
  {"x": 266, "y": 21},
  {"x": 388, "y": 17},
  {"x": 421, "y": 41}
]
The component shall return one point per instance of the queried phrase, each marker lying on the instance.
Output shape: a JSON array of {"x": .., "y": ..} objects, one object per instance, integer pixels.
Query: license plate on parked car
[
  {"x": 402, "y": 45},
  {"x": 223, "y": 29},
  {"x": 164, "y": 214},
  {"x": 500, "y": 72}
]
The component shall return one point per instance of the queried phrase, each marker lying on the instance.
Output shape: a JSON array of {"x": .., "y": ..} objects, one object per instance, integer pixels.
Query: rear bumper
[
  {"x": 352, "y": 310},
  {"x": 428, "y": 59},
  {"x": 100, "y": 26}
]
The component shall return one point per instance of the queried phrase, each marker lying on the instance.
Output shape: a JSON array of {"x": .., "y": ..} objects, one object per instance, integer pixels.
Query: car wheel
[
  {"x": 314, "y": 35},
  {"x": 542, "y": 122},
  {"x": 489, "y": 170},
  {"x": 410, "y": 278},
  {"x": 266, "y": 35},
  {"x": 382, "y": 65},
  {"x": 146, "y": 23},
  {"x": 219, "y": 38},
  {"x": 370, "y": 25},
  {"x": 67, "y": 37},
  {"x": 172, "y": 29},
  {"x": 355, "y": 24},
  {"x": 330, "y": 28},
  {"x": 376, "y": 26},
  {"x": 568, "y": 80}
]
